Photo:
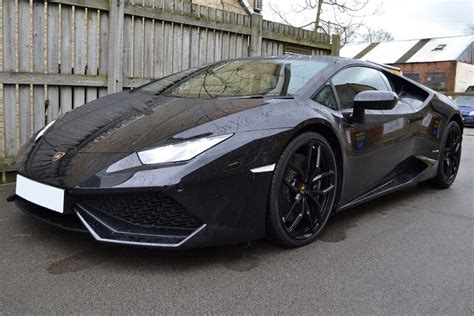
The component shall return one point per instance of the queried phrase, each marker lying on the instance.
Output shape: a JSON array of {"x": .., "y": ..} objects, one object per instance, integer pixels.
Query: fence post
[
  {"x": 256, "y": 23},
  {"x": 336, "y": 44},
  {"x": 116, "y": 17},
  {"x": 9, "y": 64}
]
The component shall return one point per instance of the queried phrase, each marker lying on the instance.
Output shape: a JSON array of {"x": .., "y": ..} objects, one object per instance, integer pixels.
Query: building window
[
  {"x": 413, "y": 76},
  {"x": 436, "y": 81},
  {"x": 439, "y": 47}
]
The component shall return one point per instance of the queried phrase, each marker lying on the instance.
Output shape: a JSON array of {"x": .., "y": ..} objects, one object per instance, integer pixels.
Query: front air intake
[{"x": 154, "y": 210}]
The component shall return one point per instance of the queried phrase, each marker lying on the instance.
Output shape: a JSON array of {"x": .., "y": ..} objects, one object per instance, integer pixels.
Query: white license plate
[{"x": 41, "y": 194}]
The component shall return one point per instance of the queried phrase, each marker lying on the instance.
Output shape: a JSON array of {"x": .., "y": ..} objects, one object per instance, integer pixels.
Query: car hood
[
  {"x": 128, "y": 122},
  {"x": 106, "y": 130}
]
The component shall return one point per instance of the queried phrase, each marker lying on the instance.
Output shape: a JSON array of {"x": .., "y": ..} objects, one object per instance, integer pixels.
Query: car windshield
[
  {"x": 466, "y": 101},
  {"x": 239, "y": 78}
]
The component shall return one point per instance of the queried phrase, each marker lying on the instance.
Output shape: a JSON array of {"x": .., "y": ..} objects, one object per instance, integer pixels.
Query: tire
[
  {"x": 449, "y": 156},
  {"x": 303, "y": 191}
]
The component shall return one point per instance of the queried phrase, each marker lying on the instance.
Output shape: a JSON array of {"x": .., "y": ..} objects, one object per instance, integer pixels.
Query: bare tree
[
  {"x": 331, "y": 16},
  {"x": 469, "y": 30},
  {"x": 376, "y": 36}
]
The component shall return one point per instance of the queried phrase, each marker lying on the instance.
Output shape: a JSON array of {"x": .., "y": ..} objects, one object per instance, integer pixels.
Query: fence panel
[
  {"x": 103, "y": 48},
  {"x": 92, "y": 58},
  {"x": 53, "y": 59},
  {"x": 65, "y": 102},
  {"x": 24, "y": 63},
  {"x": 60, "y": 54},
  {"x": 9, "y": 90}
]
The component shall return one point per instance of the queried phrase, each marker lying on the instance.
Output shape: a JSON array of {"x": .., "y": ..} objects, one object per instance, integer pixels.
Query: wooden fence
[{"x": 60, "y": 54}]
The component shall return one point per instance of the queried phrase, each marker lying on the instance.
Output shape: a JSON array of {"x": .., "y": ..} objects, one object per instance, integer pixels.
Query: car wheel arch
[
  {"x": 323, "y": 128},
  {"x": 457, "y": 118}
]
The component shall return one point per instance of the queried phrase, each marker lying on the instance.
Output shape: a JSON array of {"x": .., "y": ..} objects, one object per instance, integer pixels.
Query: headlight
[
  {"x": 471, "y": 113},
  {"x": 181, "y": 151},
  {"x": 43, "y": 130}
]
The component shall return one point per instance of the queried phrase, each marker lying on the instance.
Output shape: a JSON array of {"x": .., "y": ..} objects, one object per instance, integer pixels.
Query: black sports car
[{"x": 238, "y": 150}]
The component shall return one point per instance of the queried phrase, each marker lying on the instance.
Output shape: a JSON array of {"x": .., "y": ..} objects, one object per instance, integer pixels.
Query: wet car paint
[{"x": 218, "y": 186}]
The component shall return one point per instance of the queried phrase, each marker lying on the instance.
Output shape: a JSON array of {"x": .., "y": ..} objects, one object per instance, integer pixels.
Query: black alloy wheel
[
  {"x": 303, "y": 190},
  {"x": 450, "y": 156}
]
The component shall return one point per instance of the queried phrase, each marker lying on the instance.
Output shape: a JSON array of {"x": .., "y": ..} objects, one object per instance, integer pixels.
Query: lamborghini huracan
[{"x": 237, "y": 151}]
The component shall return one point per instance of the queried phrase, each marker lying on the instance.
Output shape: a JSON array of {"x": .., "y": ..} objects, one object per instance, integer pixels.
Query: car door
[{"x": 378, "y": 144}]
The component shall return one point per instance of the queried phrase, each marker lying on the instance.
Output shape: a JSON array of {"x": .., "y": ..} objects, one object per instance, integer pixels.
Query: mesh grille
[{"x": 149, "y": 210}]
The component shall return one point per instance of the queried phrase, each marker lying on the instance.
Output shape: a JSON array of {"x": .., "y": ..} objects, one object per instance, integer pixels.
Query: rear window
[{"x": 261, "y": 77}]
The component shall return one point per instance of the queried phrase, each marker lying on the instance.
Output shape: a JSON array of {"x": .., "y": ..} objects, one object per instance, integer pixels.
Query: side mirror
[{"x": 373, "y": 100}]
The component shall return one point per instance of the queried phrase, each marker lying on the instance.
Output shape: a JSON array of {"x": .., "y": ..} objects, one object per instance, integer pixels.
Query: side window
[
  {"x": 326, "y": 97},
  {"x": 349, "y": 82}
]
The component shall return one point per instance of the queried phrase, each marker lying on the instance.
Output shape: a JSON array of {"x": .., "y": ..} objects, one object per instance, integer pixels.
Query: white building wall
[{"x": 464, "y": 77}]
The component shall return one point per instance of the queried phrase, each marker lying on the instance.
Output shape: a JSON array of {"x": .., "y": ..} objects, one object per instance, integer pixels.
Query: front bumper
[
  {"x": 108, "y": 230},
  {"x": 124, "y": 234},
  {"x": 468, "y": 120},
  {"x": 227, "y": 211}
]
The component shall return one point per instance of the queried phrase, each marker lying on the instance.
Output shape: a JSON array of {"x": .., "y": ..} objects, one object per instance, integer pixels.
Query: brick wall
[{"x": 423, "y": 69}]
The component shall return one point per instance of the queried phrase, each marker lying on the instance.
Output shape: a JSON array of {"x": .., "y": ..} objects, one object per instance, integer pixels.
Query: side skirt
[{"x": 402, "y": 180}]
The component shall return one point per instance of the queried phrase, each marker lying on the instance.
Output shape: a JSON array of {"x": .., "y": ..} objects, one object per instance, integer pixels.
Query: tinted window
[
  {"x": 349, "y": 82},
  {"x": 262, "y": 77},
  {"x": 326, "y": 97}
]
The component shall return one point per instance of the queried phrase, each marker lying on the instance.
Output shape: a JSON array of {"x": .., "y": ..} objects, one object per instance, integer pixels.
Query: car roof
[
  {"x": 336, "y": 60},
  {"x": 327, "y": 58}
]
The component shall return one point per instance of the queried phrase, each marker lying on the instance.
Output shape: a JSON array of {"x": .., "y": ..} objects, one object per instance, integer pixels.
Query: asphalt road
[{"x": 409, "y": 252}]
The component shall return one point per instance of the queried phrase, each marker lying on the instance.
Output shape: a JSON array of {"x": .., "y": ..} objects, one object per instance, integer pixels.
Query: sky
[{"x": 405, "y": 19}]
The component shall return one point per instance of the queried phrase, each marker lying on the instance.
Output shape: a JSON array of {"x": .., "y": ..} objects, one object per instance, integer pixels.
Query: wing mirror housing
[{"x": 373, "y": 100}]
